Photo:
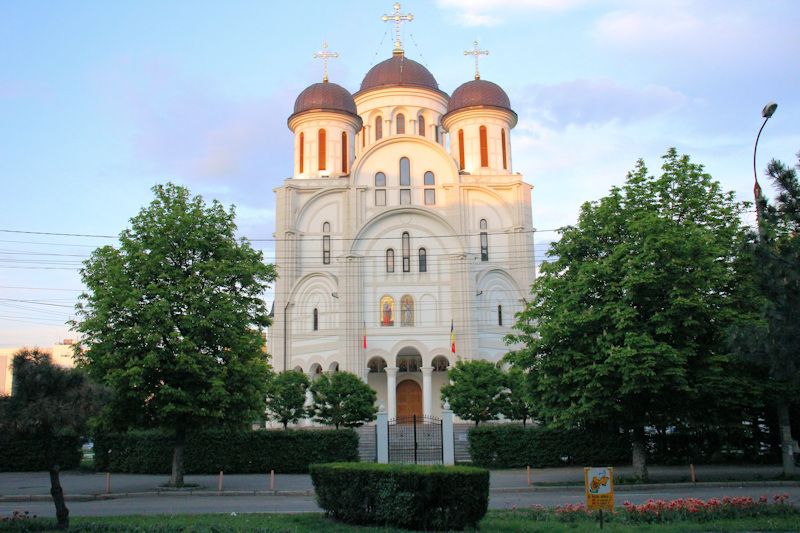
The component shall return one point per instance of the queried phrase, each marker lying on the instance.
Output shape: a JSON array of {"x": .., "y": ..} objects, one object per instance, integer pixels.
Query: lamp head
[{"x": 769, "y": 110}]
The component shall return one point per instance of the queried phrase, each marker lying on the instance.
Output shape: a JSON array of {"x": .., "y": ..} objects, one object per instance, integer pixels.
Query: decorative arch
[
  {"x": 440, "y": 363},
  {"x": 315, "y": 370},
  {"x": 298, "y": 368},
  {"x": 333, "y": 367},
  {"x": 376, "y": 365},
  {"x": 362, "y": 237},
  {"x": 445, "y": 159}
]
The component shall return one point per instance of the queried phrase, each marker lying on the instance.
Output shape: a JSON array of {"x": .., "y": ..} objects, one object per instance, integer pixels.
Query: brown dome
[
  {"x": 325, "y": 96},
  {"x": 478, "y": 93},
  {"x": 399, "y": 70}
]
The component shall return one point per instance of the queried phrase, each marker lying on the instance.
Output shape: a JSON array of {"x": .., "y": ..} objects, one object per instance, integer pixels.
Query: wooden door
[{"x": 409, "y": 399}]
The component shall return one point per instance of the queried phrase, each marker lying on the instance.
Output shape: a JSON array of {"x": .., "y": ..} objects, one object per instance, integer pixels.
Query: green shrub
[
  {"x": 235, "y": 452},
  {"x": 408, "y": 496},
  {"x": 26, "y": 454},
  {"x": 511, "y": 445}
]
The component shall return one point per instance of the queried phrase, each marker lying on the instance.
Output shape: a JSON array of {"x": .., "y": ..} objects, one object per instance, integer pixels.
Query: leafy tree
[
  {"x": 517, "y": 402},
  {"x": 476, "y": 391},
  {"x": 48, "y": 400},
  {"x": 342, "y": 399},
  {"x": 286, "y": 397},
  {"x": 627, "y": 325},
  {"x": 171, "y": 320},
  {"x": 772, "y": 339}
]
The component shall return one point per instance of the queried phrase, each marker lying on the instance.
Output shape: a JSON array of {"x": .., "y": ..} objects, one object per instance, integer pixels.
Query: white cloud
[{"x": 494, "y": 12}]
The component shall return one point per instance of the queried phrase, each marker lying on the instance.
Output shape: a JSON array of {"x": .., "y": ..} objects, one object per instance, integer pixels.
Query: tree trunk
[
  {"x": 62, "y": 513},
  {"x": 787, "y": 443},
  {"x": 639, "y": 452},
  {"x": 176, "y": 479}
]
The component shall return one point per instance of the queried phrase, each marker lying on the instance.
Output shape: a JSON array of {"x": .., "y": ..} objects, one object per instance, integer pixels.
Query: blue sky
[{"x": 101, "y": 100}]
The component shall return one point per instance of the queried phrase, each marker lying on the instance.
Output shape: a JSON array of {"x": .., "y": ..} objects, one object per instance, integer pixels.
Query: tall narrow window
[
  {"x": 423, "y": 260},
  {"x": 406, "y": 252},
  {"x": 302, "y": 150},
  {"x": 484, "y": 241},
  {"x": 405, "y": 172},
  {"x": 389, "y": 260},
  {"x": 380, "y": 191},
  {"x": 363, "y": 136},
  {"x": 421, "y": 125},
  {"x": 430, "y": 194},
  {"x": 344, "y": 152},
  {"x": 503, "y": 147},
  {"x": 499, "y": 315},
  {"x": 378, "y": 128},
  {"x": 316, "y": 320},
  {"x": 321, "y": 155},
  {"x": 401, "y": 123},
  {"x": 326, "y": 244},
  {"x": 484, "y": 148},
  {"x": 436, "y": 134},
  {"x": 461, "y": 149}
]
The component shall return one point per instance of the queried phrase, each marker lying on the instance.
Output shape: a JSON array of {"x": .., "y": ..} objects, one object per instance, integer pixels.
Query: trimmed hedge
[
  {"x": 235, "y": 452},
  {"x": 511, "y": 446},
  {"x": 27, "y": 454},
  {"x": 407, "y": 496}
]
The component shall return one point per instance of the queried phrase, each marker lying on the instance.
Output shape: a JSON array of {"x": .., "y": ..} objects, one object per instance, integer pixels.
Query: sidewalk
[{"x": 19, "y": 485}]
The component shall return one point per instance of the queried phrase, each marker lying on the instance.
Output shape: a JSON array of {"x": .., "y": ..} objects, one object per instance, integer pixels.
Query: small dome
[
  {"x": 478, "y": 93},
  {"x": 325, "y": 96},
  {"x": 399, "y": 70}
]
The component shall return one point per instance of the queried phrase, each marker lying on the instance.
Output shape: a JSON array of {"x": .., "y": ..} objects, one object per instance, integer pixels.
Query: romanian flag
[
  {"x": 365, "y": 335},
  {"x": 452, "y": 337}
]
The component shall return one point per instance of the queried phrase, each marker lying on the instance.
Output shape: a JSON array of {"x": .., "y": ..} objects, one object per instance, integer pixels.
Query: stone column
[
  {"x": 448, "y": 441},
  {"x": 382, "y": 435},
  {"x": 391, "y": 390},
  {"x": 427, "y": 393},
  {"x": 308, "y": 421}
]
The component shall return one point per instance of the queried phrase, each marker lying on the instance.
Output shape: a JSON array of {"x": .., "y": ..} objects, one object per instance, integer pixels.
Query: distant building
[{"x": 61, "y": 354}]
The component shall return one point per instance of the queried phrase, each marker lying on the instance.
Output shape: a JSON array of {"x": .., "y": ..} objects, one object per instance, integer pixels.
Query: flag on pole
[
  {"x": 452, "y": 337},
  {"x": 365, "y": 335}
]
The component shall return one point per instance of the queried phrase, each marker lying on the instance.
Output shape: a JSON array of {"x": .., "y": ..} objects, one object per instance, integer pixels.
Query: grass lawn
[{"x": 495, "y": 521}]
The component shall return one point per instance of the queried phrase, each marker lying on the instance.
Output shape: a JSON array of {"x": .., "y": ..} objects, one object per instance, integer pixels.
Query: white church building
[{"x": 404, "y": 238}]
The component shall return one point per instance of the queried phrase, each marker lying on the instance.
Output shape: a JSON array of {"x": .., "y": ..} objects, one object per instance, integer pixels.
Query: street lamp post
[{"x": 767, "y": 113}]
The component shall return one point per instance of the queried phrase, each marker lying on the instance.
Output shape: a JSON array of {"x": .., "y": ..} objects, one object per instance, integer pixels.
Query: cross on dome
[
  {"x": 398, "y": 19},
  {"x": 324, "y": 55},
  {"x": 476, "y": 52}
]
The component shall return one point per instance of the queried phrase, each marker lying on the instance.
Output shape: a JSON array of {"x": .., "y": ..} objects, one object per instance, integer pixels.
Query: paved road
[{"x": 194, "y": 504}]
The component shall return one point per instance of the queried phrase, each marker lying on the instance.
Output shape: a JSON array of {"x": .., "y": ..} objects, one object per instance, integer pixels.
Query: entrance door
[{"x": 409, "y": 399}]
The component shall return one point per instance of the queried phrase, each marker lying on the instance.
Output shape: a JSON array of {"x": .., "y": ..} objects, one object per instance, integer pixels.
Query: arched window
[
  {"x": 401, "y": 123},
  {"x": 405, "y": 172},
  {"x": 321, "y": 155},
  {"x": 406, "y": 252},
  {"x": 316, "y": 319},
  {"x": 380, "y": 192},
  {"x": 421, "y": 125},
  {"x": 484, "y": 147},
  {"x": 344, "y": 152},
  {"x": 503, "y": 147},
  {"x": 423, "y": 260},
  {"x": 390, "y": 260},
  {"x": 302, "y": 150},
  {"x": 407, "y": 310},
  {"x": 326, "y": 244},
  {"x": 484, "y": 241},
  {"x": 378, "y": 128},
  {"x": 430, "y": 194},
  {"x": 461, "y": 149},
  {"x": 499, "y": 315}
]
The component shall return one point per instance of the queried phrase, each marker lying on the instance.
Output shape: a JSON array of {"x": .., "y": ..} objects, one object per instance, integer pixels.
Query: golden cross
[
  {"x": 476, "y": 52},
  {"x": 324, "y": 55},
  {"x": 398, "y": 19}
]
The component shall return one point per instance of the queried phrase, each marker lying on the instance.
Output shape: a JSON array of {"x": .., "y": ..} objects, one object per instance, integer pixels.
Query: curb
[{"x": 310, "y": 492}]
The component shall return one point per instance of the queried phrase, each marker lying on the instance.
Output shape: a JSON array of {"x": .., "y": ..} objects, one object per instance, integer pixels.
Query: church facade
[{"x": 404, "y": 238}]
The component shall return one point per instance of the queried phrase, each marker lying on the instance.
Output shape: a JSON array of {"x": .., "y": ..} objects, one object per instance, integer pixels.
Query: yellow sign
[{"x": 599, "y": 488}]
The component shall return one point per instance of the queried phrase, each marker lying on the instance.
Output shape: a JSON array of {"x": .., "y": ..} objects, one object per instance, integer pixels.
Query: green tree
[
  {"x": 48, "y": 400},
  {"x": 476, "y": 390},
  {"x": 517, "y": 402},
  {"x": 628, "y": 322},
  {"x": 342, "y": 399},
  {"x": 286, "y": 397},
  {"x": 772, "y": 339},
  {"x": 171, "y": 320}
]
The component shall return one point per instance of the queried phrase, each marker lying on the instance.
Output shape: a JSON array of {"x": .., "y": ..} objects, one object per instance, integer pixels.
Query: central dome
[{"x": 398, "y": 70}]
